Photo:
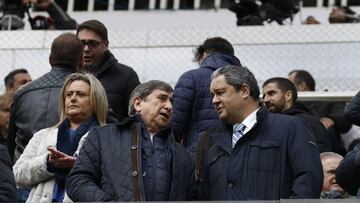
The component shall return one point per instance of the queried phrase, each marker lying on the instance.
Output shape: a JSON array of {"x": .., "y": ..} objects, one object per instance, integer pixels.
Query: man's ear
[
  {"x": 245, "y": 90},
  {"x": 288, "y": 96},
  {"x": 137, "y": 104},
  {"x": 106, "y": 43}
]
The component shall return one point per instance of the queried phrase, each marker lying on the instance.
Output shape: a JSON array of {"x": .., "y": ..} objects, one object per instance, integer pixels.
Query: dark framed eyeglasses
[{"x": 93, "y": 44}]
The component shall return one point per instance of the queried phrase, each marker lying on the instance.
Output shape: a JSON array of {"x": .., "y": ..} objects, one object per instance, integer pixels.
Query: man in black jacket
[
  {"x": 258, "y": 155},
  {"x": 280, "y": 96},
  {"x": 118, "y": 79},
  {"x": 348, "y": 172},
  {"x": 331, "y": 114},
  {"x": 135, "y": 160},
  {"x": 35, "y": 106}
]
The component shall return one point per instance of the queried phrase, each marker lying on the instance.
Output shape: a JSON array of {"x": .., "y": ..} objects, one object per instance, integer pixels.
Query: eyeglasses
[{"x": 93, "y": 44}]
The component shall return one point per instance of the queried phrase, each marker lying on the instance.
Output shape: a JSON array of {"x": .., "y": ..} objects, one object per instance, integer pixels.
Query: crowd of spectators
[{"x": 89, "y": 131}]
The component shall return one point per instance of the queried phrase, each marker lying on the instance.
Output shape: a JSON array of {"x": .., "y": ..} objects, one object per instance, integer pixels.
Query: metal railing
[
  {"x": 176, "y": 4},
  {"x": 343, "y": 96}
]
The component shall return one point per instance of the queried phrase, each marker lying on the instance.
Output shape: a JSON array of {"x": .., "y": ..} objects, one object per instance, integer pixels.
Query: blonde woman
[{"x": 49, "y": 156}]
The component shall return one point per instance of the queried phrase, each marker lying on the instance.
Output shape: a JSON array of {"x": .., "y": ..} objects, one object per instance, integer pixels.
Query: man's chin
[{"x": 88, "y": 67}]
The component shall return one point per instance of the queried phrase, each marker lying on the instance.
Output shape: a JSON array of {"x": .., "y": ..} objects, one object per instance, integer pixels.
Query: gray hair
[
  {"x": 326, "y": 155},
  {"x": 143, "y": 90},
  {"x": 237, "y": 76}
]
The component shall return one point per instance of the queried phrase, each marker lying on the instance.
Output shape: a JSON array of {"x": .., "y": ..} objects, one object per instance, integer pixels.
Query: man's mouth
[
  {"x": 165, "y": 115},
  {"x": 87, "y": 58}
]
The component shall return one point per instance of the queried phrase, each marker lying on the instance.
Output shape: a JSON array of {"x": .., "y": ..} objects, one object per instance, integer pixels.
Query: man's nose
[
  {"x": 215, "y": 100},
  {"x": 266, "y": 99},
  {"x": 168, "y": 105},
  {"x": 86, "y": 47}
]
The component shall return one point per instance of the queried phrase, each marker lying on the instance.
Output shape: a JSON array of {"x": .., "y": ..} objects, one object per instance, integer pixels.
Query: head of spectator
[
  {"x": 213, "y": 45},
  {"x": 235, "y": 93},
  {"x": 311, "y": 20},
  {"x": 81, "y": 97},
  {"x": 152, "y": 100},
  {"x": 94, "y": 37},
  {"x": 330, "y": 161},
  {"x": 302, "y": 80},
  {"x": 343, "y": 15},
  {"x": 5, "y": 103},
  {"x": 279, "y": 94},
  {"x": 66, "y": 50},
  {"x": 16, "y": 78}
]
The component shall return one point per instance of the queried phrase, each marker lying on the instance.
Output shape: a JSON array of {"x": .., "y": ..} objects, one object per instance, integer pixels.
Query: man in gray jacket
[{"x": 35, "y": 105}]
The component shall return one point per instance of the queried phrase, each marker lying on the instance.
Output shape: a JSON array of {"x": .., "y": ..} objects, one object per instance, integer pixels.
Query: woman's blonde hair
[{"x": 98, "y": 99}]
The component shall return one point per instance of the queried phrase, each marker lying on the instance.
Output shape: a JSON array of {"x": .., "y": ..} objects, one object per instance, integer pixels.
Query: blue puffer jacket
[{"x": 194, "y": 112}]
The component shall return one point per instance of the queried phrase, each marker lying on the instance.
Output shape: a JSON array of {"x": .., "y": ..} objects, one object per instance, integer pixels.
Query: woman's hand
[{"x": 59, "y": 159}]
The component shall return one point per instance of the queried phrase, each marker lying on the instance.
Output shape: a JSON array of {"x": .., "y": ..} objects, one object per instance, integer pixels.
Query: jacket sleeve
[
  {"x": 336, "y": 113},
  {"x": 31, "y": 169},
  {"x": 305, "y": 162},
  {"x": 12, "y": 129},
  {"x": 348, "y": 171},
  {"x": 183, "y": 103},
  {"x": 7, "y": 181},
  {"x": 352, "y": 111},
  {"x": 83, "y": 183},
  {"x": 62, "y": 20}
]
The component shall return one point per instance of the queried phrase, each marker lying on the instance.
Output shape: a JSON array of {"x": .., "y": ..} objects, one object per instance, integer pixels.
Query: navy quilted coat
[
  {"x": 194, "y": 112},
  {"x": 103, "y": 170}
]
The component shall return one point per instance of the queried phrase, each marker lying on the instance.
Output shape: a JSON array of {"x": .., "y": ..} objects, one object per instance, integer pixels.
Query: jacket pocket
[{"x": 263, "y": 156}]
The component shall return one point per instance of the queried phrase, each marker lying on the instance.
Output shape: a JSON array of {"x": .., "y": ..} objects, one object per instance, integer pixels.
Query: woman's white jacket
[{"x": 30, "y": 169}]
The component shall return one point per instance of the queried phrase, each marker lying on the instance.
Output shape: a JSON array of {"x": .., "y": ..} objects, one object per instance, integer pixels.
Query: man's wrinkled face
[
  {"x": 330, "y": 165},
  {"x": 94, "y": 48},
  {"x": 156, "y": 110},
  {"x": 274, "y": 98}
]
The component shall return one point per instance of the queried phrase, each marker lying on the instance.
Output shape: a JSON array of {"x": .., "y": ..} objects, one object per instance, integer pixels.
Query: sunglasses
[{"x": 93, "y": 44}]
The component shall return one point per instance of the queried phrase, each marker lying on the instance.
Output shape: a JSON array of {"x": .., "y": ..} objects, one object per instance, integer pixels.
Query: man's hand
[
  {"x": 59, "y": 159},
  {"x": 39, "y": 3},
  {"x": 327, "y": 122}
]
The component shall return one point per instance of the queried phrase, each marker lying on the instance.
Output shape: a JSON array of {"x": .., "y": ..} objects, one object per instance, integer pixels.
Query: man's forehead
[
  {"x": 218, "y": 82},
  {"x": 22, "y": 75},
  {"x": 161, "y": 92},
  {"x": 271, "y": 86}
]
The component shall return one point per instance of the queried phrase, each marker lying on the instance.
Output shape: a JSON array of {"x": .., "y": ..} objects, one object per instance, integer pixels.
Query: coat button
[
  {"x": 134, "y": 173},
  {"x": 230, "y": 184},
  {"x": 134, "y": 147}
]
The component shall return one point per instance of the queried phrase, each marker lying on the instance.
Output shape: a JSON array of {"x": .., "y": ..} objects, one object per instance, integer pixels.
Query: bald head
[{"x": 66, "y": 50}]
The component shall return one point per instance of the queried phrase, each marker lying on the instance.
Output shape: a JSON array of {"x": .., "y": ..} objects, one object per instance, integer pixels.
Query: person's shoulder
[{"x": 283, "y": 119}]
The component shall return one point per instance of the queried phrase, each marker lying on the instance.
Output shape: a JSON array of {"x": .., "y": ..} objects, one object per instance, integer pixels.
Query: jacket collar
[
  {"x": 223, "y": 135},
  {"x": 65, "y": 68},
  {"x": 165, "y": 132},
  {"x": 107, "y": 61},
  {"x": 217, "y": 60}
]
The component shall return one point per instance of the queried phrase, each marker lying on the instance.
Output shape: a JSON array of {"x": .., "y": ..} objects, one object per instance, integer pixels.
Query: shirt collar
[{"x": 249, "y": 121}]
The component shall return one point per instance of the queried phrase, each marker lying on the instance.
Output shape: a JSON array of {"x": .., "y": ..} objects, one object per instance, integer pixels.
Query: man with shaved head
[{"x": 36, "y": 105}]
